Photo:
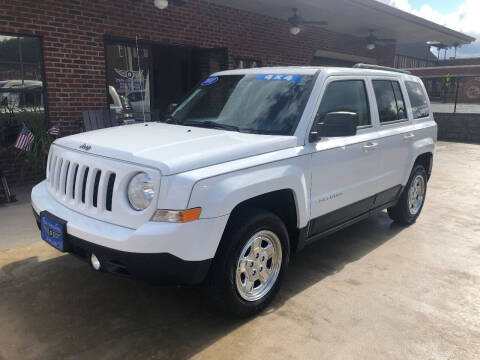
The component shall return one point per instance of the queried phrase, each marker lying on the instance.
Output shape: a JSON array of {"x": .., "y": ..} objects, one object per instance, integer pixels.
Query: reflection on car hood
[{"x": 174, "y": 148}]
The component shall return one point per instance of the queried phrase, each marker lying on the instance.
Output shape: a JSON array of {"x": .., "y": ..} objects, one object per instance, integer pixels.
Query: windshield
[{"x": 264, "y": 104}]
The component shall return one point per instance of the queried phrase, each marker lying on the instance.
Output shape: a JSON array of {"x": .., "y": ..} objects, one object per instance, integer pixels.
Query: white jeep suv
[{"x": 252, "y": 166}]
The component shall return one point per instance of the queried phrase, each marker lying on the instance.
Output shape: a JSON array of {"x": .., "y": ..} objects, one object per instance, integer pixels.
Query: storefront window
[
  {"x": 128, "y": 77},
  {"x": 22, "y": 90}
]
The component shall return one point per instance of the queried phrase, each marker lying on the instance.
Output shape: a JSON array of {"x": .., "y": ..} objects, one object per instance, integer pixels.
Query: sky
[{"x": 461, "y": 15}]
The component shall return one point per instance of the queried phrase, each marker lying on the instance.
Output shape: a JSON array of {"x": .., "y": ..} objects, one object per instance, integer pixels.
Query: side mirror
[
  {"x": 334, "y": 124},
  {"x": 171, "y": 108}
]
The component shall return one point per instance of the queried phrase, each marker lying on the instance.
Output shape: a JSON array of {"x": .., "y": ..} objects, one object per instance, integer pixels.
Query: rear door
[
  {"x": 395, "y": 136},
  {"x": 344, "y": 169}
]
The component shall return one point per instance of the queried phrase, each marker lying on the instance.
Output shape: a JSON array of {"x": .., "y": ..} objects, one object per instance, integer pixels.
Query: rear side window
[
  {"x": 346, "y": 95},
  {"x": 390, "y": 103},
  {"x": 417, "y": 99}
]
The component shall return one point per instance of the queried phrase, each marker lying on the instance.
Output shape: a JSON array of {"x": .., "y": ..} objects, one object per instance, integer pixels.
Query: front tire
[
  {"x": 250, "y": 263},
  {"x": 411, "y": 202}
]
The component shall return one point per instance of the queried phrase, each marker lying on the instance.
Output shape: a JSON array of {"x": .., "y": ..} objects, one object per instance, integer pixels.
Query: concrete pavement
[
  {"x": 372, "y": 291},
  {"x": 15, "y": 227}
]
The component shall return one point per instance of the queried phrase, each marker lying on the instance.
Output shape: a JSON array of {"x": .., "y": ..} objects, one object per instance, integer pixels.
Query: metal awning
[{"x": 356, "y": 17}]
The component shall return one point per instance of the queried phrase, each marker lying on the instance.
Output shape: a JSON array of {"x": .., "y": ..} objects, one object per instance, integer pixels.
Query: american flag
[
  {"x": 24, "y": 139},
  {"x": 54, "y": 130}
]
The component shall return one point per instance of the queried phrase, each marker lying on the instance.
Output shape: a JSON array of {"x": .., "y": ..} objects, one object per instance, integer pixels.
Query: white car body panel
[
  {"x": 174, "y": 149},
  {"x": 343, "y": 175},
  {"x": 220, "y": 194}
]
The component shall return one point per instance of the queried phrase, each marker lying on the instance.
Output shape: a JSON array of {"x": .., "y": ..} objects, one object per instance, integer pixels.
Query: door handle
[
  {"x": 408, "y": 136},
  {"x": 370, "y": 146}
]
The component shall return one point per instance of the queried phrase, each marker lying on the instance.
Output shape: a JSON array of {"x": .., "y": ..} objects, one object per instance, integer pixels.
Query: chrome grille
[{"x": 96, "y": 186}]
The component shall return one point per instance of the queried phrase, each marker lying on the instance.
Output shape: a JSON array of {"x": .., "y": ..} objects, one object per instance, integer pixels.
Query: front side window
[
  {"x": 264, "y": 104},
  {"x": 418, "y": 100},
  {"x": 22, "y": 92},
  {"x": 345, "y": 95},
  {"x": 391, "y": 106}
]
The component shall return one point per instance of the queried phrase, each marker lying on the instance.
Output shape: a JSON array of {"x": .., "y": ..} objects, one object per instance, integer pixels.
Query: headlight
[{"x": 140, "y": 191}]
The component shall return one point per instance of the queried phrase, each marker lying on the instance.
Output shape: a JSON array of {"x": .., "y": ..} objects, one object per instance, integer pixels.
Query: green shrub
[{"x": 36, "y": 156}]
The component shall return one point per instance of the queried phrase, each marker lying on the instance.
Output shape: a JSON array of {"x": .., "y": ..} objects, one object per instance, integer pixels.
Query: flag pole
[{"x": 141, "y": 79}]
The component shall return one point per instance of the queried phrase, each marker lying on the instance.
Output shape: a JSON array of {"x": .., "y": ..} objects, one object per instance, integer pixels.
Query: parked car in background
[
  {"x": 18, "y": 95},
  {"x": 254, "y": 165}
]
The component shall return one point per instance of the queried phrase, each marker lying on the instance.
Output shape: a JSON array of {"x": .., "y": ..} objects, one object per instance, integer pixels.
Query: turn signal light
[{"x": 178, "y": 216}]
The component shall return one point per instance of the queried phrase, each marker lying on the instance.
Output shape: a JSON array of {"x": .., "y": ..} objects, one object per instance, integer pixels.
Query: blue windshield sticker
[
  {"x": 278, "y": 77},
  {"x": 209, "y": 81}
]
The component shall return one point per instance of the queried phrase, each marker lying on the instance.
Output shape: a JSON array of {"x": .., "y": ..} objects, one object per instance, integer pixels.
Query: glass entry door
[{"x": 128, "y": 80}]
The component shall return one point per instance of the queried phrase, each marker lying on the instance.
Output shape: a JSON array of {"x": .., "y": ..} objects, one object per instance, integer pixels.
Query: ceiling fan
[
  {"x": 372, "y": 40},
  {"x": 163, "y": 4},
  {"x": 297, "y": 22}
]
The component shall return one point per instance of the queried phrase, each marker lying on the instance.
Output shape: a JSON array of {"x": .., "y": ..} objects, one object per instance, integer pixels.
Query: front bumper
[
  {"x": 160, "y": 268},
  {"x": 157, "y": 252}
]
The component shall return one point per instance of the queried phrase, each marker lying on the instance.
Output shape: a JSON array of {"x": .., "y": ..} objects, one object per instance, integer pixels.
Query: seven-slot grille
[
  {"x": 81, "y": 183},
  {"x": 96, "y": 186}
]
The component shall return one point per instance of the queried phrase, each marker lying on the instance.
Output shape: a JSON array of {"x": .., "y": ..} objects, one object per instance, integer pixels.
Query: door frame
[
  {"x": 358, "y": 208},
  {"x": 395, "y": 128}
]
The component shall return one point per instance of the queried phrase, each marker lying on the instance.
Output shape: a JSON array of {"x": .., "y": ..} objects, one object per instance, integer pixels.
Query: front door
[{"x": 344, "y": 169}]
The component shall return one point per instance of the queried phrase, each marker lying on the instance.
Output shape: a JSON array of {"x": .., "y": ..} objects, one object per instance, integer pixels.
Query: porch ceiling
[{"x": 355, "y": 17}]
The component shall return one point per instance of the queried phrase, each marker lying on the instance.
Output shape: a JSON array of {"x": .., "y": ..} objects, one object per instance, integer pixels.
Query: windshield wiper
[
  {"x": 262, "y": 132},
  {"x": 170, "y": 119},
  {"x": 211, "y": 125}
]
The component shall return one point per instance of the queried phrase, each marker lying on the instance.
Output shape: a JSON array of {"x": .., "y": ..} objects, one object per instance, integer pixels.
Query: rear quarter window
[{"x": 418, "y": 99}]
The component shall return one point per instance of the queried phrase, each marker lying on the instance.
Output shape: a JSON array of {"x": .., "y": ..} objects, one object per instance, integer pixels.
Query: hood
[{"x": 174, "y": 148}]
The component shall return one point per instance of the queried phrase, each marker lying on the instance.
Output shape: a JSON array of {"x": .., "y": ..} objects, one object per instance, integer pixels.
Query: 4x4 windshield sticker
[
  {"x": 209, "y": 81},
  {"x": 278, "y": 77}
]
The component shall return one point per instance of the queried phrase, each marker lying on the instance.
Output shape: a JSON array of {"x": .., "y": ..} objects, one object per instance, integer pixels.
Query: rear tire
[
  {"x": 411, "y": 202},
  {"x": 250, "y": 263}
]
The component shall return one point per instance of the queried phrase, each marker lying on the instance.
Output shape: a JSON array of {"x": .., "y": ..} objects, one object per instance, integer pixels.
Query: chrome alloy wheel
[
  {"x": 416, "y": 194},
  {"x": 258, "y": 265}
]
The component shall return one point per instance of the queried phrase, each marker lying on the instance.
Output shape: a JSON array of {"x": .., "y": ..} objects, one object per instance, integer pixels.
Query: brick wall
[{"x": 73, "y": 33}]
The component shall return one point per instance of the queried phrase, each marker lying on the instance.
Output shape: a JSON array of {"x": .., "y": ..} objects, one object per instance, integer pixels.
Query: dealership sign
[{"x": 130, "y": 81}]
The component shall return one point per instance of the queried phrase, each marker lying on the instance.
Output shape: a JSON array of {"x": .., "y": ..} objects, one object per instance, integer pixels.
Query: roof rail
[{"x": 377, "y": 67}]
